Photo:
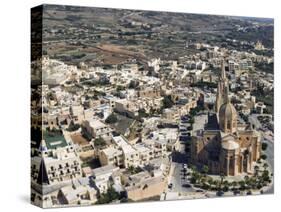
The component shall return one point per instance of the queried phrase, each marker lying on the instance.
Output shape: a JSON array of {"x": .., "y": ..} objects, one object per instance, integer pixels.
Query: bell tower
[{"x": 221, "y": 88}]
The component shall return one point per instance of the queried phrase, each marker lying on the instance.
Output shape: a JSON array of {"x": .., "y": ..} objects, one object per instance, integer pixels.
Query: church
[{"x": 225, "y": 146}]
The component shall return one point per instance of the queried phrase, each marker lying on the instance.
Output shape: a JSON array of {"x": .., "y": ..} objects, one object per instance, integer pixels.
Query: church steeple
[
  {"x": 223, "y": 75},
  {"x": 226, "y": 97},
  {"x": 221, "y": 89},
  {"x": 227, "y": 114},
  {"x": 218, "y": 98}
]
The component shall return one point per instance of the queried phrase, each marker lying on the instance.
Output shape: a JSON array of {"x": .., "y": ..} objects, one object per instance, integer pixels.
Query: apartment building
[
  {"x": 111, "y": 155},
  {"x": 131, "y": 155},
  {"x": 97, "y": 129},
  {"x": 103, "y": 175},
  {"x": 142, "y": 185},
  {"x": 58, "y": 165},
  {"x": 73, "y": 195}
]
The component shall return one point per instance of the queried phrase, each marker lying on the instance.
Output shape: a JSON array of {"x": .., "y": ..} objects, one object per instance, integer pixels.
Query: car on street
[
  {"x": 186, "y": 185},
  {"x": 249, "y": 193},
  {"x": 236, "y": 192},
  {"x": 220, "y": 193},
  {"x": 170, "y": 186}
]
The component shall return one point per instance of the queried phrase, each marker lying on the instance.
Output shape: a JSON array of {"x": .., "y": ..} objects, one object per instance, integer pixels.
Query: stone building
[
  {"x": 54, "y": 166},
  {"x": 223, "y": 145}
]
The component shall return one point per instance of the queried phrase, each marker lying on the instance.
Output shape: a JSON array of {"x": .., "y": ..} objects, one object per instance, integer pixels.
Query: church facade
[{"x": 223, "y": 145}]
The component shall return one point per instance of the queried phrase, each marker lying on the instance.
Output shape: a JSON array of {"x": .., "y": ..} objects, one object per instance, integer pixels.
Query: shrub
[{"x": 111, "y": 119}]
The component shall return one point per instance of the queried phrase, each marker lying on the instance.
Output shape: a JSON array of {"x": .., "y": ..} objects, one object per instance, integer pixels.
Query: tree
[
  {"x": 72, "y": 127},
  {"x": 133, "y": 84},
  {"x": 142, "y": 113},
  {"x": 205, "y": 169},
  {"x": 109, "y": 196},
  {"x": 191, "y": 120},
  {"x": 265, "y": 165},
  {"x": 264, "y": 157},
  {"x": 234, "y": 185},
  {"x": 242, "y": 185},
  {"x": 256, "y": 168},
  {"x": 99, "y": 142},
  {"x": 264, "y": 146},
  {"x": 152, "y": 111},
  {"x": 195, "y": 175},
  {"x": 217, "y": 184},
  {"x": 222, "y": 177},
  {"x": 111, "y": 119},
  {"x": 167, "y": 102},
  {"x": 225, "y": 188},
  {"x": 193, "y": 168},
  {"x": 210, "y": 181},
  {"x": 131, "y": 169},
  {"x": 134, "y": 170},
  {"x": 120, "y": 88}
]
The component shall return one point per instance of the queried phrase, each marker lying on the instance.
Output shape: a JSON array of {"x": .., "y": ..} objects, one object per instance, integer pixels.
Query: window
[{"x": 228, "y": 125}]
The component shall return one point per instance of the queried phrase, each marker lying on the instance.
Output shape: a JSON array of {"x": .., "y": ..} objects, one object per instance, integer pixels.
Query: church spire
[
  {"x": 223, "y": 75},
  {"x": 226, "y": 94},
  {"x": 218, "y": 98}
]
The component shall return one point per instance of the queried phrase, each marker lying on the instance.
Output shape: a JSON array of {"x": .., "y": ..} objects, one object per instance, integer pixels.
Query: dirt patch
[{"x": 79, "y": 139}]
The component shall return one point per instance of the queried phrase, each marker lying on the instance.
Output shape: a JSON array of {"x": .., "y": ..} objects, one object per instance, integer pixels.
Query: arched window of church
[{"x": 228, "y": 124}]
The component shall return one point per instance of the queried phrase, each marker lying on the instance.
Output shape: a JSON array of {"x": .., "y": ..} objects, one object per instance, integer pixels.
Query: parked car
[
  {"x": 249, "y": 193},
  {"x": 220, "y": 193},
  {"x": 236, "y": 192},
  {"x": 170, "y": 186},
  {"x": 186, "y": 185}
]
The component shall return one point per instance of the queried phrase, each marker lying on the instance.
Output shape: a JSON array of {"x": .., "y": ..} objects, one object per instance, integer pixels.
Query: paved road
[
  {"x": 270, "y": 158},
  {"x": 270, "y": 146},
  {"x": 177, "y": 177}
]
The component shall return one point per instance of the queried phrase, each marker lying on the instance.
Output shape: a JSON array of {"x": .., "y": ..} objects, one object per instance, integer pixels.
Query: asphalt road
[
  {"x": 270, "y": 159},
  {"x": 270, "y": 147},
  {"x": 177, "y": 177}
]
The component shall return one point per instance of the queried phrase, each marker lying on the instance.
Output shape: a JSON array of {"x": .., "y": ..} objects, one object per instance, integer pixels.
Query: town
[{"x": 169, "y": 127}]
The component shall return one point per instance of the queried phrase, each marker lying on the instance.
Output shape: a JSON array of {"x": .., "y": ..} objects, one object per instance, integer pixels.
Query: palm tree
[
  {"x": 222, "y": 177},
  {"x": 257, "y": 168}
]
